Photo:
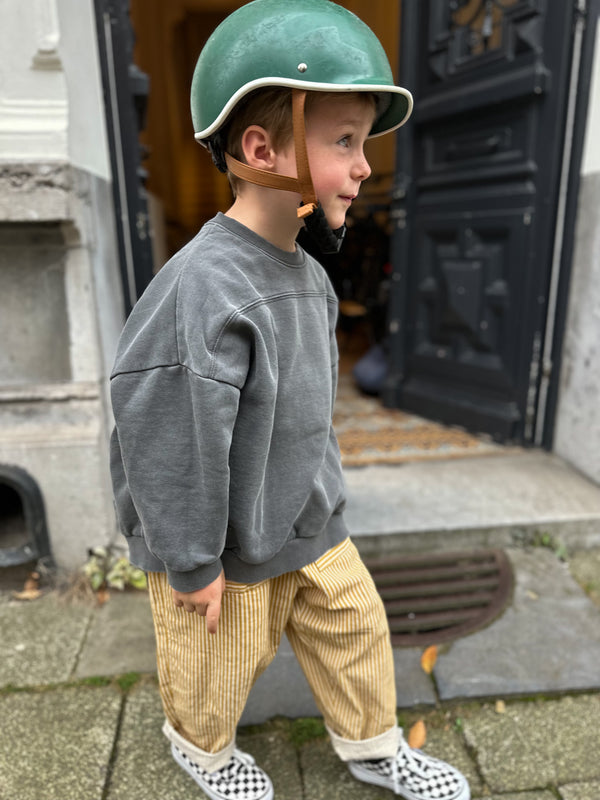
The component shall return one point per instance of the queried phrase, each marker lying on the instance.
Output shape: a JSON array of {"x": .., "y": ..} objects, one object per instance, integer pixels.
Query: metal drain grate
[{"x": 432, "y": 598}]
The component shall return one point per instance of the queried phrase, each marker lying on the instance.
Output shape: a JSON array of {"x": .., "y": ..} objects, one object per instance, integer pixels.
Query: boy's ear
[{"x": 258, "y": 148}]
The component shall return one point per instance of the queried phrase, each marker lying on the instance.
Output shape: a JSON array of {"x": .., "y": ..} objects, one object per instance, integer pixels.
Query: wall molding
[
  {"x": 48, "y": 36},
  {"x": 33, "y": 129}
]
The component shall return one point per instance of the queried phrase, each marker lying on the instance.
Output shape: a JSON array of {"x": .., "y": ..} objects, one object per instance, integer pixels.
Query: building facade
[{"x": 64, "y": 287}]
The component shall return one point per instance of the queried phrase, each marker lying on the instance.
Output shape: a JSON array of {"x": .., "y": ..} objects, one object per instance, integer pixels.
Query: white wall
[
  {"x": 577, "y": 433},
  {"x": 78, "y": 48},
  {"x": 33, "y": 96},
  {"x": 591, "y": 153},
  {"x": 51, "y": 106}
]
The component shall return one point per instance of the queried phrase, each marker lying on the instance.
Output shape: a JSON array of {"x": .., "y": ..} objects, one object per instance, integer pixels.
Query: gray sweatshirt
[{"x": 223, "y": 453}]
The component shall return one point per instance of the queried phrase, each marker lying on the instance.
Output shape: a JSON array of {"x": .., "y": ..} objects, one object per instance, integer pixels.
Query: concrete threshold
[{"x": 502, "y": 500}]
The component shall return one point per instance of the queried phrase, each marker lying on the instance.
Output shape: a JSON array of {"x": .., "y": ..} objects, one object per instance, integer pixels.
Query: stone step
[{"x": 505, "y": 500}]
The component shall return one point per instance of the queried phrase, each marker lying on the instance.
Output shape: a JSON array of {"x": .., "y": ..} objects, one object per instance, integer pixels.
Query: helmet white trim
[{"x": 379, "y": 89}]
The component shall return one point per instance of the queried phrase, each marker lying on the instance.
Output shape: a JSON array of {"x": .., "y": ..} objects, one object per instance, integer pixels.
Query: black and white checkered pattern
[
  {"x": 413, "y": 775},
  {"x": 239, "y": 779}
]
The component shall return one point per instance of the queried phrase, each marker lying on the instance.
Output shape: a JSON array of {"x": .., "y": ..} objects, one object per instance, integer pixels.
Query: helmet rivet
[{"x": 302, "y": 67}]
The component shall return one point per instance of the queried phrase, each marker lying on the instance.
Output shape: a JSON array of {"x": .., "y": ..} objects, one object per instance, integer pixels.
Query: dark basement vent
[{"x": 432, "y": 598}]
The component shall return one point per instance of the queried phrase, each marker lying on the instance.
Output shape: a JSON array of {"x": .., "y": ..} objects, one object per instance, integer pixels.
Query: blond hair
[{"x": 271, "y": 108}]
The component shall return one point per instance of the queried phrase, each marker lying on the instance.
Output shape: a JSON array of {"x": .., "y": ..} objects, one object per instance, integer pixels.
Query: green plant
[
  {"x": 105, "y": 570},
  {"x": 544, "y": 539},
  {"x": 128, "y": 680},
  {"x": 305, "y": 729}
]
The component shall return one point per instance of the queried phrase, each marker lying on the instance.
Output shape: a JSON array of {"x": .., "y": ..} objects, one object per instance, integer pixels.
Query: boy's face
[{"x": 337, "y": 127}]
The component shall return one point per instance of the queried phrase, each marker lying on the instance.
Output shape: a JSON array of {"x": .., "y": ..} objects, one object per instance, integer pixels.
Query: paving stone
[
  {"x": 277, "y": 756},
  {"x": 580, "y": 791},
  {"x": 413, "y": 686},
  {"x": 325, "y": 776},
  {"x": 542, "y": 743},
  {"x": 448, "y": 746},
  {"x": 56, "y": 744},
  {"x": 547, "y": 640},
  {"x": 542, "y": 795},
  {"x": 143, "y": 765},
  {"x": 282, "y": 689},
  {"x": 40, "y": 639},
  {"x": 120, "y": 638},
  {"x": 585, "y": 568}
]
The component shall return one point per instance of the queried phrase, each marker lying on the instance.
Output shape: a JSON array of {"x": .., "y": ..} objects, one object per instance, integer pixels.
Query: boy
[{"x": 226, "y": 471}]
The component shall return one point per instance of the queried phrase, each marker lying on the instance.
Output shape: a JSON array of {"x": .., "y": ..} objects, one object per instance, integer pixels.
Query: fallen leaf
[
  {"x": 429, "y": 658},
  {"x": 500, "y": 707},
  {"x": 32, "y": 582},
  {"x": 102, "y": 596},
  {"x": 27, "y": 594},
  {"x": 417, "y": 736},
  {"x": 31, "y": 588}
]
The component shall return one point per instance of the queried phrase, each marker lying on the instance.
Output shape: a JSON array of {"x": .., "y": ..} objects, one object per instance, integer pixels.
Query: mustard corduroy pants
[{"x": 336, "y": 624}]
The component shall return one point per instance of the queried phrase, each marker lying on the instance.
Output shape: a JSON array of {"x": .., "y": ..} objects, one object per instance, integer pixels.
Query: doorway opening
[{"x": 185, "y": 190}]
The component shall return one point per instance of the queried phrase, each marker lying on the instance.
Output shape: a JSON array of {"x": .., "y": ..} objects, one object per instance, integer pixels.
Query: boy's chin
[{"x": 335, "y": 221}]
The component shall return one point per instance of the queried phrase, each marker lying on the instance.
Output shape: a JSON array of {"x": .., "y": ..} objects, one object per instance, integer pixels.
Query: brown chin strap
[{"x": 303, "y": 184}]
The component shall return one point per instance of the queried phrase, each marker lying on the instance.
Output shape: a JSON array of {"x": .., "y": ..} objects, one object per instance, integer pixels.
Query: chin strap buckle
[{"x": 306, "y": 210}]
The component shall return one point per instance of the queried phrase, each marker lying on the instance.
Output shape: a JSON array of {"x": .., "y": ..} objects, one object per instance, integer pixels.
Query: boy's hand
[{"x": 205, "y": 602}]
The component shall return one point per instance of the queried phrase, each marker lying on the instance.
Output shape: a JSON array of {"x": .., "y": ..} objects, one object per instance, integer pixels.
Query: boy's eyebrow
[{"x": 354, "y": 120}]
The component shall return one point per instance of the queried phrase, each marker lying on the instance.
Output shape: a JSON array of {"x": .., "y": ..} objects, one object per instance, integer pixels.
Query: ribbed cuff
[
  {"x": 194, "y": 579},
  {"x": 208, "y": 761},
  {"x": 383, "y": 746}
]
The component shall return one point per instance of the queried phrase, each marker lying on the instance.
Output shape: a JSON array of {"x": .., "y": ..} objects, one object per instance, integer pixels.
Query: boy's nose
[{"x": 362, "y": 169}]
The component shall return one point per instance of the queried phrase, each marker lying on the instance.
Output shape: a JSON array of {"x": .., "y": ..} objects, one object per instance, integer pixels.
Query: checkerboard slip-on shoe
[
  {"x": 239, "y": 779},
  {"x": 413, "y": 775}
]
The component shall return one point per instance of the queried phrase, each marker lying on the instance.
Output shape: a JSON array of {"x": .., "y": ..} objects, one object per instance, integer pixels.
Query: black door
[
  {"x": 125, "y": 97},
  {"x": 475, "y": 203}
]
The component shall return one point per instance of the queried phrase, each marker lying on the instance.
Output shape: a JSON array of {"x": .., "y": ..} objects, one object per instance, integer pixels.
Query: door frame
[{"x": 125, "y": 90}]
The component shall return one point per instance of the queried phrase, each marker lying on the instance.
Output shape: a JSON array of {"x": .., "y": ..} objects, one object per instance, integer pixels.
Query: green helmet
[{"x": 315, "y": 45}]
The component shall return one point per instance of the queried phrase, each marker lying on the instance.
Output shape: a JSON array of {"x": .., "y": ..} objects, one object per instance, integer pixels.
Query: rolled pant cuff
[
  {"x": 383, "y": 746},
  {"x": 208, "y": 761}
]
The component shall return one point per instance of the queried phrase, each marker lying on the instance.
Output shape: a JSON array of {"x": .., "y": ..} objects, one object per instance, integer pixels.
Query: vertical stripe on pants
[{"x": 335, "y": 621}]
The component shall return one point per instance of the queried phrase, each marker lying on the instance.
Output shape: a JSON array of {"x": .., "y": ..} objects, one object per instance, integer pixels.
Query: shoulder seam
[
  {"x": 167, "y": 366},
  {"x": 260, "y": 301}
]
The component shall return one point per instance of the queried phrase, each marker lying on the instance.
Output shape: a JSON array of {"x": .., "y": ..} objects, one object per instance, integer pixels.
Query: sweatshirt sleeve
[{"x": 174, "y": 430}]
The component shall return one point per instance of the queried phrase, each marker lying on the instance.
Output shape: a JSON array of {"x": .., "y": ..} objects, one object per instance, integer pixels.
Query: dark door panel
[
  {"x": 475, "y": 204},
  {"x": 468, "y": 314}
]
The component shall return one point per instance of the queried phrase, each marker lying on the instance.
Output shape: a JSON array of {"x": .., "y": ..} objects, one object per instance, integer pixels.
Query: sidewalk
[{"x": 81, "y": 714}]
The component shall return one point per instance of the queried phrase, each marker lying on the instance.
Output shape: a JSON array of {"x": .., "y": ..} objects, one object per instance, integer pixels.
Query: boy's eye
[{"x": 345, "y": 141}]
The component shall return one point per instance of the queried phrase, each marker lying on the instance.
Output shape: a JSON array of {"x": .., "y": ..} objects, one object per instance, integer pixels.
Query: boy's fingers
[{"x": 213, "y": 612}]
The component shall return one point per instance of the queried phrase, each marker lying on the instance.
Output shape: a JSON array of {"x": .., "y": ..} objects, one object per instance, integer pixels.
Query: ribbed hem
[
  {"x": 208, "y": 761},
  {"x": 188, "y": 581},
  {"x": 297, "y": 553},
  {"x": 383, "y": 746}
]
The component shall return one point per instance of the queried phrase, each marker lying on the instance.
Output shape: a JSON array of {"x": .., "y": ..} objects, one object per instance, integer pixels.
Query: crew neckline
[{"x": 295, "y": 259}]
